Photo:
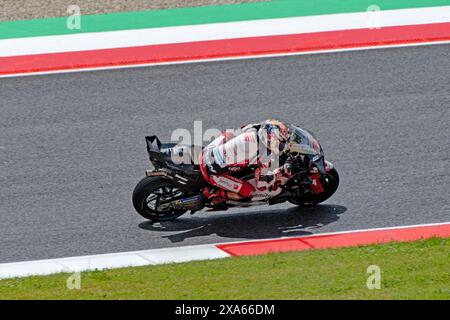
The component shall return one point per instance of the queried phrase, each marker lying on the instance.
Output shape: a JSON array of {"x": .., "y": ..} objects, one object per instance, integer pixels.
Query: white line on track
[
  {"x": 111, "y": 261},
  {"x": 247, "y": 57},
  {"x": 144, "y": 257}
]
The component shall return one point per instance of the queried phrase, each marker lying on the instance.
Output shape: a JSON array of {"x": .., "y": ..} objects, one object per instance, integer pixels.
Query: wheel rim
[{"x": 161, "y": 195}]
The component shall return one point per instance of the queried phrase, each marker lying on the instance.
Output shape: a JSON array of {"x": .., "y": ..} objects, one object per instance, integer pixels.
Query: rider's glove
[
  {"x": 287, "y": 170},
  {"x": 292, "y": 168}
]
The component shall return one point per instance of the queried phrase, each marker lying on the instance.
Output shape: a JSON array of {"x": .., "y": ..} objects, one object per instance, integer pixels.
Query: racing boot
[{"x": 217, "y": 197}]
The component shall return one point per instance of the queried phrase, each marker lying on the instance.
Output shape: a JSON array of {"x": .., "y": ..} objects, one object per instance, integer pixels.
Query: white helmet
[{"x": 274, "y": 135}]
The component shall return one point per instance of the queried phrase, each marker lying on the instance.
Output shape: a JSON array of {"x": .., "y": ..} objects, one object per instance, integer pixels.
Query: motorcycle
[{"x": 175, "y": 185}]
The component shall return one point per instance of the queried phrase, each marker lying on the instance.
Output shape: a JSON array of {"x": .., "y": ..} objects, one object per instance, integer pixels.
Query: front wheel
[
  {"x": 149, "y": 195},
  {"x": 330, "y": 184}
]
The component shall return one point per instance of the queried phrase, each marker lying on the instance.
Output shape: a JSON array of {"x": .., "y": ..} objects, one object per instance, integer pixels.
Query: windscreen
[{"x": 303, "y": 141}]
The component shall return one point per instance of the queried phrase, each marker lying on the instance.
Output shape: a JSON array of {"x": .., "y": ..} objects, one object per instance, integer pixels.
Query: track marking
[
  {"x": 222, "y": 31},
  {"x": 214, "y": 251},
  {"x": 247, "y": 57},
  {"x": 338, "y": 239}
]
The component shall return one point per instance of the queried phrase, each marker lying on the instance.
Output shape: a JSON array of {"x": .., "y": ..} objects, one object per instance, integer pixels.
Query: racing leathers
[{"x": 257, "y": 145}]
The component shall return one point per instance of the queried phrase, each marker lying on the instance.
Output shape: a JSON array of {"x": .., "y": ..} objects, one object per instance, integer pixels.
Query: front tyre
[
  {"x": 150, "y": 193},
  {"x": 330, "y": 184}
]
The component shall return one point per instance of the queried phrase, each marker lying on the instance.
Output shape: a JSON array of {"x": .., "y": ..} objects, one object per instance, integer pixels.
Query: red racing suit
[{"x": 255, "y": 145}]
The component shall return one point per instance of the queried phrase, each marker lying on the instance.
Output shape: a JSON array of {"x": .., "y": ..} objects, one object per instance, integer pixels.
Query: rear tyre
[
  {"x": 148, "y": 195},
  {"x": 330, "y": 184}
]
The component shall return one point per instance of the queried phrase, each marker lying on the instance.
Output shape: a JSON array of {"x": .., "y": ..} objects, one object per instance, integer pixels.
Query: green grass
[{"x": 415, "y": 270}]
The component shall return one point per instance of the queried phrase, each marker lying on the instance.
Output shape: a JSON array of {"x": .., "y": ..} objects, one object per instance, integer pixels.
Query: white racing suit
[{"x": 256, "y": 145}]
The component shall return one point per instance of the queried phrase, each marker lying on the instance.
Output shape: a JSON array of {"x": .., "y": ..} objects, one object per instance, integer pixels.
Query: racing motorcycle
[{"x": 175, "y": 184}]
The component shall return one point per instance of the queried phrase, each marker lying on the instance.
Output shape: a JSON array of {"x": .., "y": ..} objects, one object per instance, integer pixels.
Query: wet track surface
[{"x": 72, "y": 147}]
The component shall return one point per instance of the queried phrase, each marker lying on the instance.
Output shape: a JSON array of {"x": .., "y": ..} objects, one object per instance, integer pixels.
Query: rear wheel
[
  {"x": 151, "y": 193},
  {"x": 330, "y": 184}
]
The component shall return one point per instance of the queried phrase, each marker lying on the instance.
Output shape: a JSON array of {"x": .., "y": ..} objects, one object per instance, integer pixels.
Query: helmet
[
  {"x": 279, "y": 128},
  {"x": 274, "y": 135}
]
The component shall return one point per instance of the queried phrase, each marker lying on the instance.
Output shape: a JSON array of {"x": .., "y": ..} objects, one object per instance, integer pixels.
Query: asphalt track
[{"x": 72, "y": 147}]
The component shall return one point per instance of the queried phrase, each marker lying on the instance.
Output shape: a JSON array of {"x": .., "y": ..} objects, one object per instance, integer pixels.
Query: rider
[{"x": 257, "y": 145}]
